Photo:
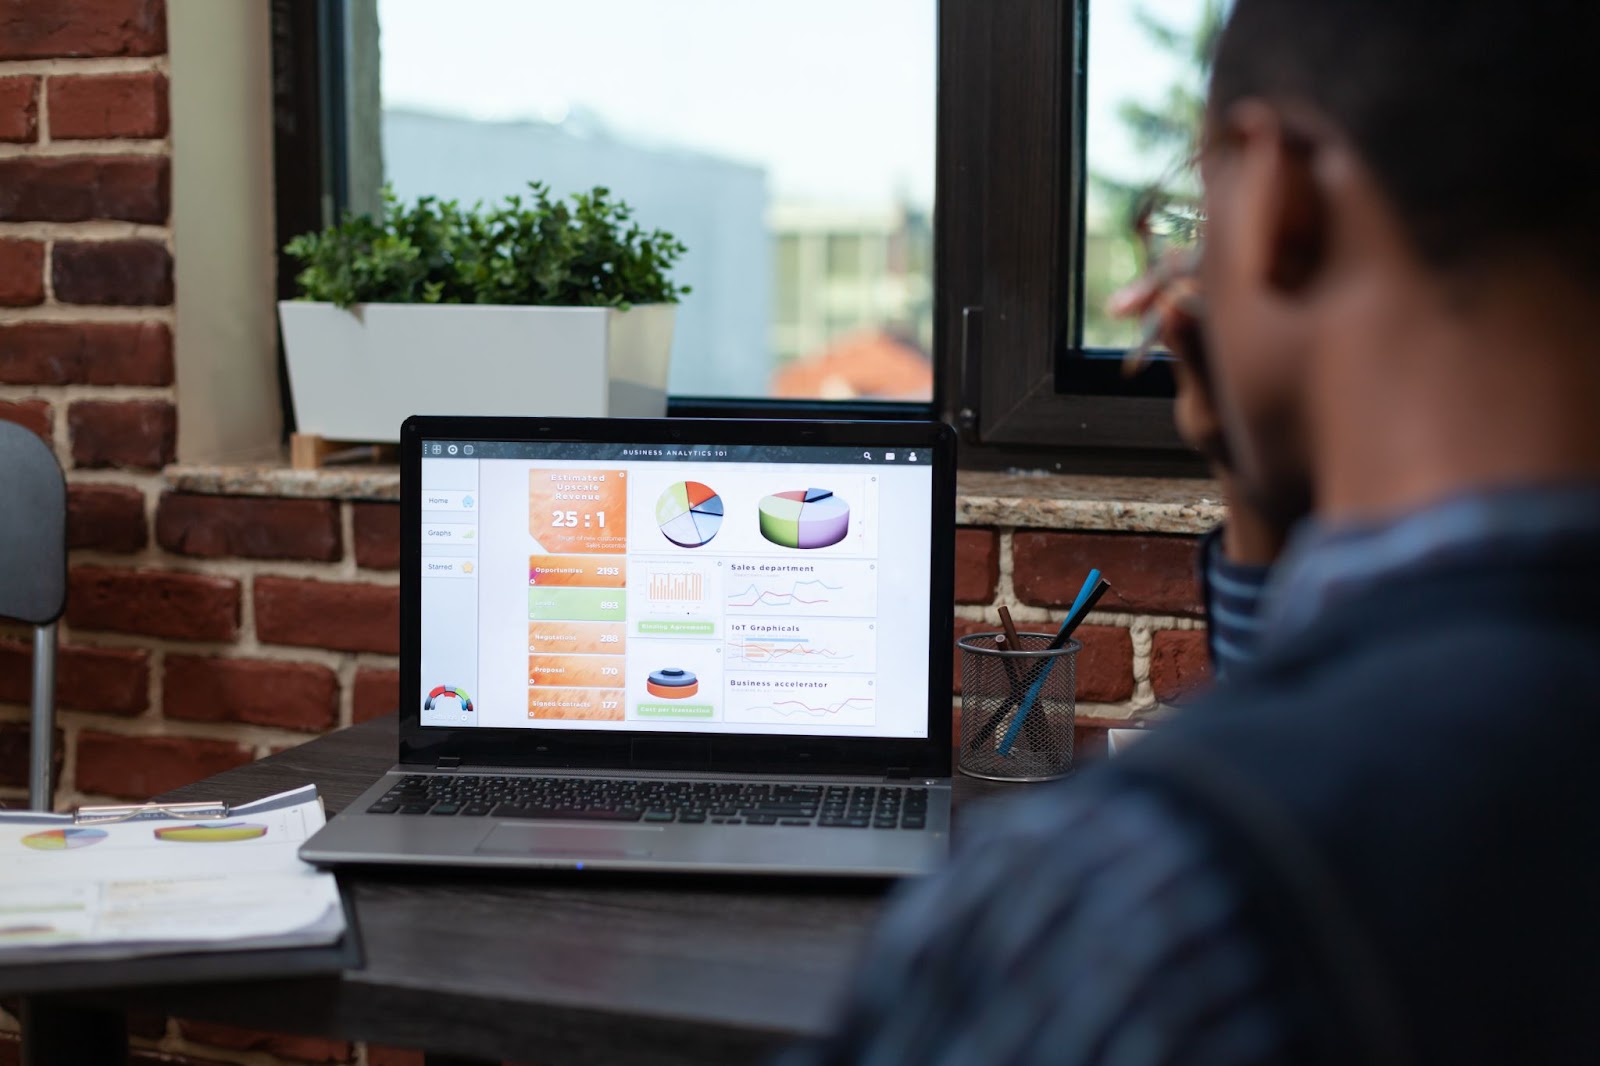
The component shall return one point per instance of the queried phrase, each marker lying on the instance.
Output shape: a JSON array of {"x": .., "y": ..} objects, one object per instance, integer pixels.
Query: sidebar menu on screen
[{"x": 450, "y": 566}]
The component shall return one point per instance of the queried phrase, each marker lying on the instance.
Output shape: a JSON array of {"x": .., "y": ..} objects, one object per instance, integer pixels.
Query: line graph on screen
[
  {"x": 837, "y": 588},
  {"x": 838, "y": 703},
  {"x": 836, "y": 645},
  {"x": 797, "y": 594}
]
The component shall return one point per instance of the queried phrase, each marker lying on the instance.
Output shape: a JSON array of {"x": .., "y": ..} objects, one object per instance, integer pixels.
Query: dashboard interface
[{"x": 735, "y": 589}]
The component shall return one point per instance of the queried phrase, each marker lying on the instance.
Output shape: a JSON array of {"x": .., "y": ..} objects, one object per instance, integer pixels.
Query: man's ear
[{"x": 1288, "y": 207}]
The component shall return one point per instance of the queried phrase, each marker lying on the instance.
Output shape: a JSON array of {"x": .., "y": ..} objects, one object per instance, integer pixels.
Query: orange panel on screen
[
  {"x": 581, "y": 638},
  {"x": 579, "y": 571},
  {"x": 578, "y": 671},
  {"x": 585, "y": 704},
  {"x": 580, "y": 511}
]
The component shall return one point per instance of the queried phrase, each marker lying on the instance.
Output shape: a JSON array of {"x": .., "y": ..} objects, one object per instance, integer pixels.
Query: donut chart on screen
[
  {"x": 804, "y": 518},
  {"x": 689, "y": 514},
  {"x": 673, "y": 683}
]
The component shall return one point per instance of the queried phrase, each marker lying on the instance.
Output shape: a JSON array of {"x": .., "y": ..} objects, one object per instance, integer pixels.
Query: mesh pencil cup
[{"x": 997, "y": 683}]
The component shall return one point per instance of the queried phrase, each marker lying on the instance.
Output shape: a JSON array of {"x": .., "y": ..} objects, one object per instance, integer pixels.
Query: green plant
[{"x": 543, "y": 252}]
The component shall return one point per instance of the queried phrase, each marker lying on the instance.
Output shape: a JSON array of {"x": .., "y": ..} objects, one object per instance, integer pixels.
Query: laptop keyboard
[{"x": 609, "y": 799}]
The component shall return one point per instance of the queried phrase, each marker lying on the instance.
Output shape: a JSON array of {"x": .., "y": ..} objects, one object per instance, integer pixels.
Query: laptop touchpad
[{"x": 578, "y": 841}]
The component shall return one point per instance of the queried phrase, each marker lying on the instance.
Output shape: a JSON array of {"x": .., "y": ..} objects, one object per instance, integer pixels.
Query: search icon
[{"x": 866, "y": 455}]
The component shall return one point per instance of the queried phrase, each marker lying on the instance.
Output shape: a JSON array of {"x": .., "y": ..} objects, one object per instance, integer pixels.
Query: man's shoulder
[
  {"x": 1433, "y": 709},
  {"x": 1397, "y": 776},
  {"x": 1406, "y": 742},
  {"x": 1412, "y": 660},
  {"x": 1452, "y": 695}
]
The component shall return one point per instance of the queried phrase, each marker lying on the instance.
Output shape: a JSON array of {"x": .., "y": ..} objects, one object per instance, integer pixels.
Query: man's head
[{"x": 1370, "y": 161}]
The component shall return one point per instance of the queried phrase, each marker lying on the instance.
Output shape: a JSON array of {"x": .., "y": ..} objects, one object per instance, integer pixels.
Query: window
[
  {"x": 1141, "y": 125},
  {"x": 1031, "y": 96},
  {"x": 751, "y": 131},
  {"x": 796, "y": 151}
]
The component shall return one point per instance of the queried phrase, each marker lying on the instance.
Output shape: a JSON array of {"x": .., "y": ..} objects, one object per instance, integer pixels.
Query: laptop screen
[{"x": 730, "y": 589}]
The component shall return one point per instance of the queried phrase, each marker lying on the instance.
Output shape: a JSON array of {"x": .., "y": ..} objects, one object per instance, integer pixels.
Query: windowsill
[
  {"x": 1087, "y": 502},
  {"x": 358, "y": 481},
  {"x": 1029, "y": 501}
]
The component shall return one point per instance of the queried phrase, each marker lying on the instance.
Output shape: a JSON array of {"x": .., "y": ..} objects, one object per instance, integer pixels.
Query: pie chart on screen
[
  {"x": 689, "y": 514},
  {"x": 804, "y": 518}
]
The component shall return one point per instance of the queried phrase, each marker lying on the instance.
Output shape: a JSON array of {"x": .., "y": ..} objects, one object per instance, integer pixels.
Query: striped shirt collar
[{"x": 1325, "y": 565}]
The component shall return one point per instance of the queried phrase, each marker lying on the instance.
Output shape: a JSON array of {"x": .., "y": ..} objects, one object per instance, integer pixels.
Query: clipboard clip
[{"x": 189, "y": 812}]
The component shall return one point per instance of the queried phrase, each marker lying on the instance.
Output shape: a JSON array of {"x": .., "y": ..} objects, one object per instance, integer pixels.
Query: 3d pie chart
[
  {"x": 672, "y": 683},
  {"x": 804, "y": 518},
  {"x": 223, "y": 833},
  {"x": 63, "y": 839},
  {"x": 689, "y": 514}
]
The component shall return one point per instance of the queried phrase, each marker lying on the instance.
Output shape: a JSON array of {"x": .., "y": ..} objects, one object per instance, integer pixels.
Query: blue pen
[{"x": 1087, "y": 596}]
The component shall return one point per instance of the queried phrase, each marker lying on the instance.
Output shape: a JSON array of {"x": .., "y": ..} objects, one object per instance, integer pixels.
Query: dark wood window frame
[
  {"x": 1008, "y": 246},
  {"x": 1009, "y": 249},
  {"x": 309, "y": 163}
]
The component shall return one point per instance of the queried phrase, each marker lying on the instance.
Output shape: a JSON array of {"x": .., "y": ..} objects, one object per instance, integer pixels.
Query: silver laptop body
[{"x": 715, "y": 646}]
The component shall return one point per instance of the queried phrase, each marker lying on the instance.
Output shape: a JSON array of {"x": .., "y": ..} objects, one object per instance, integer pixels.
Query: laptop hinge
[
  {"x": 898, "y": 773},
  {"x": 448, "y": 762}
]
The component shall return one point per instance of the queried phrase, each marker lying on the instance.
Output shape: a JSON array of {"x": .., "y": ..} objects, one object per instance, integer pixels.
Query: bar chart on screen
[{"x": 676, "y": 589}]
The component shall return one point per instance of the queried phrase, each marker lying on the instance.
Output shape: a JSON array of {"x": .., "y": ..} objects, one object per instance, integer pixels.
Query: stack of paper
[{"x": 146, "y": 883}]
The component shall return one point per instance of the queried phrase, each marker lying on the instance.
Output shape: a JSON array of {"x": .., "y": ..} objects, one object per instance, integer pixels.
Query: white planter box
[{"x": 357, "y": 374}]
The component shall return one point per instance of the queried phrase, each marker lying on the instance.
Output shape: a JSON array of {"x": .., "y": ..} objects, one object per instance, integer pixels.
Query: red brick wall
[
  {"x": 86, "y": 315},
  {"x": 221, "y": 628},
  {"x": 214, "y": 630},
  {"x": 165, "y": 675},
  {"x": 1143, "y": 643}
]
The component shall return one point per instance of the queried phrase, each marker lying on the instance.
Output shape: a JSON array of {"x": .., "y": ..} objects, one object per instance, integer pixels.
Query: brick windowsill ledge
[
  {"x": 366, "y": 481},
  {"x": 1026, "y": 501},
  {"x": 1086, "y": 503}
]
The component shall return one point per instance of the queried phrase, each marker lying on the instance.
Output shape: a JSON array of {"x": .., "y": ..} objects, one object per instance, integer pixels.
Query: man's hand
[
  {"x": 1172, "y": 305},
  {"x": 1170, "y": 300}
]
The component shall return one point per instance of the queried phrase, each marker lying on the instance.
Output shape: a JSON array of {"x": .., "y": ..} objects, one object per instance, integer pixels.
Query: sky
[{"x": 835, "y": 98}]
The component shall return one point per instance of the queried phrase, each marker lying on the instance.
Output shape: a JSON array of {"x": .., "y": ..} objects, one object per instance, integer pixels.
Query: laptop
[{"x": 669, "y": 645}]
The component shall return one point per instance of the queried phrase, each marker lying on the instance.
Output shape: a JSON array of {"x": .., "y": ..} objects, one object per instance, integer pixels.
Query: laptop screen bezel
[{"x": 427, "y": 746}]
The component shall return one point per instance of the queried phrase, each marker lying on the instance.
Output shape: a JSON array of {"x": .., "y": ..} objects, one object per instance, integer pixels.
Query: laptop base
[{"x": 357, "y": 837}]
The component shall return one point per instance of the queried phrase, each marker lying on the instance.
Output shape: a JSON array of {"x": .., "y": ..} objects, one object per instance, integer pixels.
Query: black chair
[
  {"x": 33, "y": 579},
  {"x": 33, "y": 589}
]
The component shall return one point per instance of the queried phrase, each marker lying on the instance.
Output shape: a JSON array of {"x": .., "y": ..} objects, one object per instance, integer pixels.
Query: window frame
[
  {"x": 1012, "y": 87},
  {"x": 1008, "y": 239},
  {"x": 309, "y": 162}
]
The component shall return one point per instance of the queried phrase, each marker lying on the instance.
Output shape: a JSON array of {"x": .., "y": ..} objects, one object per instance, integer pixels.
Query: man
[{"x": 1377, "y": 842}]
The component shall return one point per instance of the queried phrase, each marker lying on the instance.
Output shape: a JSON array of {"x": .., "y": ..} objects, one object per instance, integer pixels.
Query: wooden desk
[{"x": 553, "y": 967}]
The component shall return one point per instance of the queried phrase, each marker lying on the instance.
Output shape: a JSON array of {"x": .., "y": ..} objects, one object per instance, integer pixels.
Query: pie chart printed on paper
[
  {"x": 804, "y": 518},
  {"x": 217, "y": 833},
  {"x": 689, "y": 514},
  {"x": 63, "y": 839}
]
